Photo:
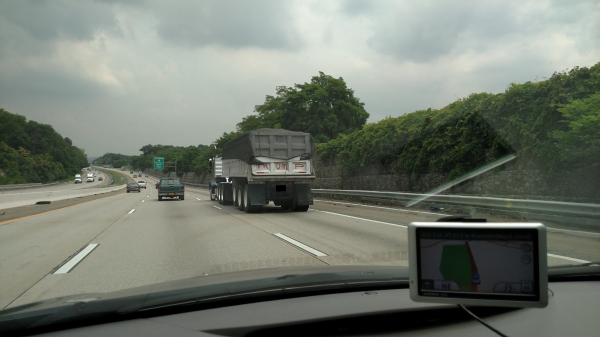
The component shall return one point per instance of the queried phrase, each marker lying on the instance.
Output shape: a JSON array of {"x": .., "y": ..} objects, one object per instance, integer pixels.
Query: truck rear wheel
[
  {"x": 220, "y": 194},
  {"x": 296, "y": 208},
  {"x": 246, "y": 200},
  {"x": 242, "y": 200},
  {"x": 182, "y": 197},
  {"x": 159, "y": 198},
  {"x": 236, "y": 197},
  {"x": 300, "y": 208},
  {"x": 248, "y": 203}
]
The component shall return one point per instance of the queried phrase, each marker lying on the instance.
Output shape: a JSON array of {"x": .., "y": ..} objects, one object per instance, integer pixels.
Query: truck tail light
[
  {"x": 182, "y": 188},
  {"x": 158, "y": 188}
]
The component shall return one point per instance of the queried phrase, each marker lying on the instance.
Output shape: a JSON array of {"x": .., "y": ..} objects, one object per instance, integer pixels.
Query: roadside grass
[
  {"x": 116, "y": 177},
  {"x": 66, "y": 180}
]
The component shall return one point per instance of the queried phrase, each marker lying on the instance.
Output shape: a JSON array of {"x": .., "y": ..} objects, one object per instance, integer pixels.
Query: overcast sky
[{"x": 116, "y": 75}]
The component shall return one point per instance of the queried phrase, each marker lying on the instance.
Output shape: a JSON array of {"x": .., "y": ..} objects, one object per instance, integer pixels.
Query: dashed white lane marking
[
  {"x": 131, "y": 212},
  {"x": 76, "y": 259},
  {"x": 198, "y": 199},
  {"x": 143, "y": 200},
  {"x": 217, "y": 207},
  {"x": 300, "y": 245}
]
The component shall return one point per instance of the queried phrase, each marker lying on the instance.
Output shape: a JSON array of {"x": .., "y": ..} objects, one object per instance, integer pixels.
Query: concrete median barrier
[{"x": 10, "y": 200}]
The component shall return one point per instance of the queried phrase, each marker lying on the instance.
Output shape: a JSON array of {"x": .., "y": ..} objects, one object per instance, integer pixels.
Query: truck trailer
[{"x": 268, "y": 165}]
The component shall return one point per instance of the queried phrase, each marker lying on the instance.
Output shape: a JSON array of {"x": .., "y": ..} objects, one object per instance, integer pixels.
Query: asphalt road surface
[
  {"x": 132, "y": 239},
  {"x": 29, "y": 196}
]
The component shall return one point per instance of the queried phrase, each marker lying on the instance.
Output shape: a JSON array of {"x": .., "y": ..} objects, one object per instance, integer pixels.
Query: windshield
[{"x": 285, "y": 134}]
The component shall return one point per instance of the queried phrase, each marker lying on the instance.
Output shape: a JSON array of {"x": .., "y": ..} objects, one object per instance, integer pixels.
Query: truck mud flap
[
  {"x": 257, "y": 194},
  {"x": 303, "y": 194}
]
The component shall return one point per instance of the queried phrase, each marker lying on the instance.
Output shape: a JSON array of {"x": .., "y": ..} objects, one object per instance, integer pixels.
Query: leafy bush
[
  {"x": 32, "y": 152},
  {"x": 536, "y": 121}
]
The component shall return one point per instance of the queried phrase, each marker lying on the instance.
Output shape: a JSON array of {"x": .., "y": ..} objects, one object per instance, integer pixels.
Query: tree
[
  {"x": 226, "y": 137},
  {"x": 325, "y": 108},
  {"x": 580, "y": 143},
  {"x": 28, "y": 145},
  {"x": 549, "y": 124}
]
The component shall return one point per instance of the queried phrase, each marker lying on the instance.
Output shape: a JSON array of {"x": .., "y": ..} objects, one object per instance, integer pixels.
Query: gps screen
[{"x": 478, "y": 263}]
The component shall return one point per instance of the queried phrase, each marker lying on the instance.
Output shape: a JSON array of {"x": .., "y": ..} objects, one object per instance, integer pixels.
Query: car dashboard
[{"x": 572, "y": 311}]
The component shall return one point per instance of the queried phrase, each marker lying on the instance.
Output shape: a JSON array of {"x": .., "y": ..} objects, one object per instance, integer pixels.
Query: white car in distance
[{"x": 142, "y": 184}]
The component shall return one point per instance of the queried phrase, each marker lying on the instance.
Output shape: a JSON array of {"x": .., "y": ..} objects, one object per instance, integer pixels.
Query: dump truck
[
  {"x": 268, "y": 165},
  {"x": 217, "y": 177}
]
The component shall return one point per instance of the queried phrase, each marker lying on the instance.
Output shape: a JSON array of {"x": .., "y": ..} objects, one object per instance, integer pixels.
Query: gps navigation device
[{"x": 487, "y": 264}]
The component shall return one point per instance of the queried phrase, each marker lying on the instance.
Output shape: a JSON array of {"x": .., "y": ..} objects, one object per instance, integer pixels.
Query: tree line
[
  {"x": 324, "y": 107},
  {"x": 552, "y": 123},
  {"x": 31, "y": 152}
]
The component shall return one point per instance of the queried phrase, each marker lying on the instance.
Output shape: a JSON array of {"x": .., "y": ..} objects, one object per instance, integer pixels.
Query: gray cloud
[
  {"x": 51, "y": 20},
  {"x": 235, "y": 24},
  {"x": 47, "y": 84},
  {"x": 356, "y": 7},
  {"x": 423, "y": 31},
  {"x": 39, "y": 57},
  {"x": 96, "y": 70}
]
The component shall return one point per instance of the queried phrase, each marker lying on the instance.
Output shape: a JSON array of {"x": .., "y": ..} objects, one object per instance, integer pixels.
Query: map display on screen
[{"x": 459, "y": 261}]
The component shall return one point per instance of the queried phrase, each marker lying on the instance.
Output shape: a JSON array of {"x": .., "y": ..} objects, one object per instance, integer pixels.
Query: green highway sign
[{"x": 159, "y": 163}]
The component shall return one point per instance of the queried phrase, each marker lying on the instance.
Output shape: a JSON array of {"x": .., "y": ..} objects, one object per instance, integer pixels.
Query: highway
[
  {"x": 132, "y": 239},
  {"x": 54, "y": 192}
]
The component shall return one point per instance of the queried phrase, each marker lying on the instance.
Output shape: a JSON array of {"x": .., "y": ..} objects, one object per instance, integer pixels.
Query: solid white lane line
[
  {"x": 391, "y": 224},
  {"x": 550, "y": 229},
  {"x": 300, "y": 245},
  {"x": 568, "y": 258},
  {"x": 572, "y": 232},
  {"x": 76, "y": 259},
  {"x": 388, "y": 208},
  {"x": 217, "y": 207},
  {"x": 354, "y": 217},
  {"x": 131, "y": 212}
]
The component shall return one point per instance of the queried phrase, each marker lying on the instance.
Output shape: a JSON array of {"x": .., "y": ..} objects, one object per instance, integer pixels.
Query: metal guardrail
[
  {"x": 13, "y": 186},
  {"x": 195, "y": 185},
  {"x": 24, "y": 186},
  {"x": 111, "y": 178},
  {"x": 577, "y": 213},
  {"x": 184, "y": 182}
]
